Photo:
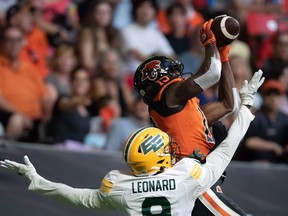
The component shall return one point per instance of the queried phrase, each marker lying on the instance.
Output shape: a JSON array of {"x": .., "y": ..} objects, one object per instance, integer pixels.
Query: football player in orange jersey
[
  {"x": 174, "y": 108},
  {"x": 172, "y": 101}
]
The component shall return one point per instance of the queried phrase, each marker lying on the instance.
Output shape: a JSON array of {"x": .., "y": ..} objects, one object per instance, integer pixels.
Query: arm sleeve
[
  {"x": 218, "y": 160},
  {"x": 87, "y": 198}
]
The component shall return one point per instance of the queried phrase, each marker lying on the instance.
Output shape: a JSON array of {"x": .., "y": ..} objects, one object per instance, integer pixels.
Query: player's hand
[
  {"x": 27, "y": 169},
  {"x": 249, "y": 89},
  {"x": 224, "y": 53},
  {"x": 206, "y": 34}
]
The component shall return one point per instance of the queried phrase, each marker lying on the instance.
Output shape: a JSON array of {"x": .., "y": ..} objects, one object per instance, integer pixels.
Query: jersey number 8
[{"x": 149, "y": 202}]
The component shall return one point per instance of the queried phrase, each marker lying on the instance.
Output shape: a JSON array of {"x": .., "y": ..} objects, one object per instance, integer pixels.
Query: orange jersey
[
  {"x": 23, "y": 88},
  {"x": 36, "y": 51},
  {"x": 186, "y": 123}
]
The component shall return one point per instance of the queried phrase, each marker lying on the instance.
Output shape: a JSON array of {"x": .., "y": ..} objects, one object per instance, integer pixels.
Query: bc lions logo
[{"x": 150, "y": 70}]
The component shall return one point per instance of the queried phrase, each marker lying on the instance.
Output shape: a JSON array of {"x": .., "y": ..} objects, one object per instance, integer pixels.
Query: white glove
[
  {"x": 248, "y": 90},
  {"x": 27, "y": 169}
]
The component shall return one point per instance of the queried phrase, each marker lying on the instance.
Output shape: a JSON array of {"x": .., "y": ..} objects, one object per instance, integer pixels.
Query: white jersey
[{"x": 172, "y": 192}]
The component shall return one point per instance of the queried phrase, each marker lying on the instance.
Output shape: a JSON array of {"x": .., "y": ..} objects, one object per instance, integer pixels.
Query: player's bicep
[
  {"x": 213, "y": 111},
  {"x": 108, "y": 198},
  {"x": 181, "y": 92},
  {"x": 203, "y": 176}
]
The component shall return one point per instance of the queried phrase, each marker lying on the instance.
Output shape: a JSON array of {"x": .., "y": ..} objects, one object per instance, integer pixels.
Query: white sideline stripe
[
  {"x": 219, "y": 202},
  {"x": 224, "y": 30}
]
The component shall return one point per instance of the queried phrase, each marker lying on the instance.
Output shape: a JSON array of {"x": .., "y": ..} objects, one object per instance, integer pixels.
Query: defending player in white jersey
[{"x": 155, "y": 186}]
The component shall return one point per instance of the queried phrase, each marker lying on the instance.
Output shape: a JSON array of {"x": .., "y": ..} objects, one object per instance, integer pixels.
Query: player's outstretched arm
[
  {"x": 87, "y": 198},
  {"x": 228, "y": 98},
  {"x": 218, "y": 160},
  {"x": 208, "y": 74}
]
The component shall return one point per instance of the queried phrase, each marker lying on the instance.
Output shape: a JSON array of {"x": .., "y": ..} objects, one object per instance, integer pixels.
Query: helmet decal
[
  {"x": 147, "y": 76},
  {"x": 147, "y": 151},
  {"x": 129, "y": 142},
  {"x": 142, "y": 93},
  {"x": 150, "y": 70},
  {"x": 152, "y": 143}
]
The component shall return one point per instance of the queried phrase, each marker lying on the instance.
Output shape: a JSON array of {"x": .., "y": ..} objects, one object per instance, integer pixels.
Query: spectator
[
  {"x": 108, "y": 81},
  {"x": 4, "y": 5},
  {"x": 23, "y": 94},
  {"x": 54, "y": 8},
  {"x": 108, "y": 110},
  {"x": 193, "y": 58},
  {"x": 97, "y": 35},
  {"x": 122, "y": 127},
  {"x": 178, "y": 37},
  {"x": 71, "y": 117},
  {"x": 212, "y": 8},
  {"x": 240, "y": 48},
  {"x": 257, "y": 26},
  {"x": 284, "y": 80},
  {"x": 122, "y": 14},
  {"x": 193, "y": 18},
  {"x": 54, "y": 31},
  {"x": 241, "y": 69},
  {"x": 267, "y": 137},
  {"x": 59, "y": 19},
  {"x": 274, "y": 66},
  {"x": 142, "y": 41},
  {"x": 62, "y": 63},
  {"x": 35, "y": 52},
  {"x": 240, "y": 8}
]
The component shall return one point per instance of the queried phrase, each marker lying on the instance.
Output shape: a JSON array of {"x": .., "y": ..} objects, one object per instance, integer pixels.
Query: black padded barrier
[{"x": 260, "y": 189}]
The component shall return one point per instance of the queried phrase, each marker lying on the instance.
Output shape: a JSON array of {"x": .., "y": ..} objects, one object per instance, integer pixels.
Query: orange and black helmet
[{"x": 148, "y": 74}]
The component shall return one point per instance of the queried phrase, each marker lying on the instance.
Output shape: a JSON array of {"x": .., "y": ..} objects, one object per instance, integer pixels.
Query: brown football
[{"x": 226, "y": 29}]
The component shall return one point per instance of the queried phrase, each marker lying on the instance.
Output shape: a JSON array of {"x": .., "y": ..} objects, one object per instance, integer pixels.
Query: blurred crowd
[{"x": 66, "y": 67}]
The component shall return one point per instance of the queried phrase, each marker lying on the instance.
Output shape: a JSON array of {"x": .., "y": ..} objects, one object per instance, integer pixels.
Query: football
[{"x": 226, "y": 29}]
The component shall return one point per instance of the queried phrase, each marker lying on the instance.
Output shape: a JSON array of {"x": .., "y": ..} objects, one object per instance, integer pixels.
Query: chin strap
[{"x": 175, "y": 152}]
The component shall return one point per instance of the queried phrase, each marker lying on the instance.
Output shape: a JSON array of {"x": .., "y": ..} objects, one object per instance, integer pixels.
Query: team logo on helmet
[
  {"x": 152, "y": 144},
  {"x": 150, "y": 70}
]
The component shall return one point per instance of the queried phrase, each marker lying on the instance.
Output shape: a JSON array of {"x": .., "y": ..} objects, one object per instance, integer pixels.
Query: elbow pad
[{"x": 212, "y": 76}]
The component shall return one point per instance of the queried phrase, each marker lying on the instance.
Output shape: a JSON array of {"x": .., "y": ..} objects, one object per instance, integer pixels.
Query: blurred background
[{"x": 66, "y": 83}]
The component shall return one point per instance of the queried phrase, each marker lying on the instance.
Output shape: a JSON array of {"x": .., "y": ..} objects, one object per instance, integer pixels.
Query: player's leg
[
  {"x": 228, "y": 202},
  {"x": 201, "y": 209},
  {"x": 209, "y": 204},
  {"x": 214, "y": 202}
]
